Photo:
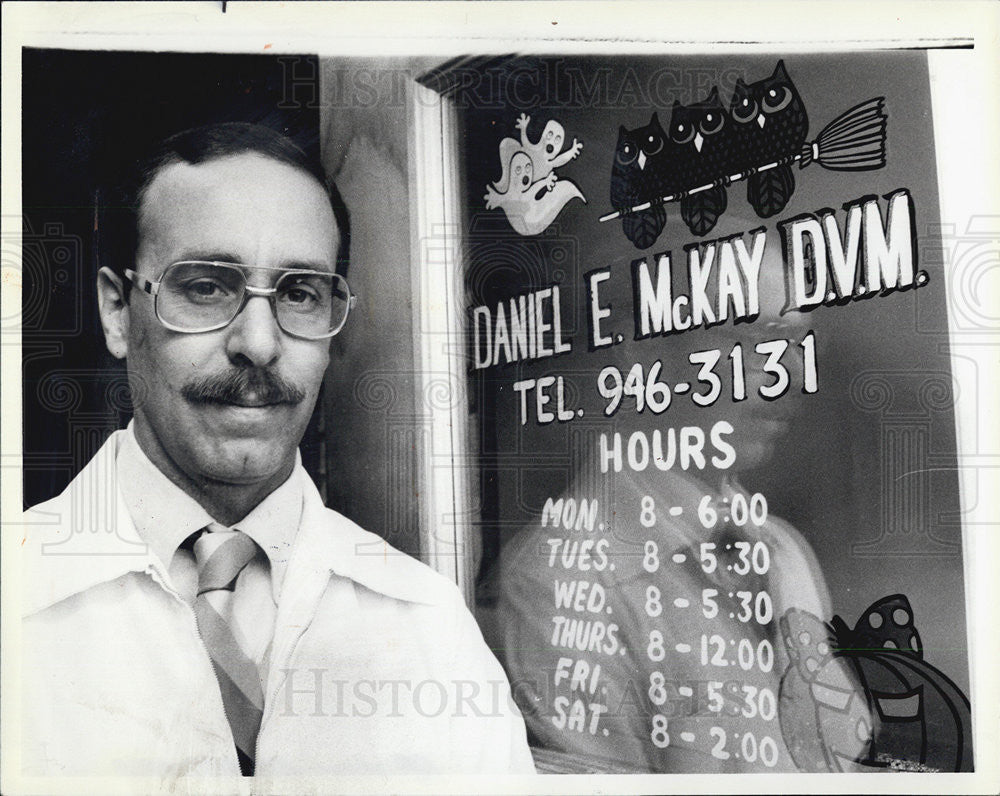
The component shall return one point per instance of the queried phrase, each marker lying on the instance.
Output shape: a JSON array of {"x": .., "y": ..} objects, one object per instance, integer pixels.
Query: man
[
  {"x": 192, "y": 608},
  {"x": 647, "y": 640}
]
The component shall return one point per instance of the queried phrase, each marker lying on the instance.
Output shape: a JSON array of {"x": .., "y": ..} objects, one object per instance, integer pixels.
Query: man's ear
[{"x": 114, "y": 312}]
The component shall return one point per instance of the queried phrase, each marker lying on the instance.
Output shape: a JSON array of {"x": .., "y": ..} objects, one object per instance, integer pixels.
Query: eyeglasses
[{"x": 195, "y": 296}]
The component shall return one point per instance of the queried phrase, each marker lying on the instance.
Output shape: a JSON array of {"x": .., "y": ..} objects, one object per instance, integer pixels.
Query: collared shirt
[
  {"x": 165, "y": 516},
  {"x": 377, "y": 666}
]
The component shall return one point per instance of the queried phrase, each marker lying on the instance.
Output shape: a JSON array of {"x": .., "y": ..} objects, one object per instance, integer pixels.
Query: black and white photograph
[{"x": 398, "y": 401}]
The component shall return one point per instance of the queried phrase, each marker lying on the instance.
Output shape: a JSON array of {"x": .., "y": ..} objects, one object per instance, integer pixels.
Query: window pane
[{"x": 700, "y": 491}]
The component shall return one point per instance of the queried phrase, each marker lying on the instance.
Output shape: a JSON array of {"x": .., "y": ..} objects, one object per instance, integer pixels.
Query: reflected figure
[{"x": 639, "y": 614}]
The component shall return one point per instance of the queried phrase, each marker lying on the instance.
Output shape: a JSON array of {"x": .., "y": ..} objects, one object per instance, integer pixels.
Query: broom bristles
[{"x": 855, "y": 140}]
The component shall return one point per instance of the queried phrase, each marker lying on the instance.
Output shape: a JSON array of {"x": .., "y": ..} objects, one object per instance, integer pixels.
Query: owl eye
[
  {"x": 682, "y": 133},
  {"x": 712, "y": 122},
  {"x": 627, "y": 154},
  {"x": 652, "y": 144},
  {"x": 745, "y": 109},
  {"x": 776, "y": 99}
]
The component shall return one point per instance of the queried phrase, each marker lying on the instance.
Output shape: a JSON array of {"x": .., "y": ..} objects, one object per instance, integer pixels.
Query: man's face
[
  {"x": 246, "y": 209},
  {"x": 759, "y": 425}
]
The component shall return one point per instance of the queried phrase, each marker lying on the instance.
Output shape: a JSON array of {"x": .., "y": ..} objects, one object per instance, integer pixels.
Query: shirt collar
[
  {"x": 94, "y": 502},
  {"x": 274, "y": 523},
  {"x": 165, "y": 515}
]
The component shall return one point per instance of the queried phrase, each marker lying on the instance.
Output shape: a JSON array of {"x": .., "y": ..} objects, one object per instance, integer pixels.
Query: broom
[{"x": 854, "y": 141}]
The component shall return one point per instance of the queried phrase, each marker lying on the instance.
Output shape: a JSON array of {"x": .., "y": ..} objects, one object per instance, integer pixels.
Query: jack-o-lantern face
[{"x": 865, "y": 699}]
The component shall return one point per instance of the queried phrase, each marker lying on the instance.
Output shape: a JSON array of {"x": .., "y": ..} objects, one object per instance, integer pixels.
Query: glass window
[{"x": 718, "y": 526}]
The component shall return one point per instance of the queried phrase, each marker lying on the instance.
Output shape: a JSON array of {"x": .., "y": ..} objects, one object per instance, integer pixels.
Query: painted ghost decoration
[{"x": 528, "y": 191}]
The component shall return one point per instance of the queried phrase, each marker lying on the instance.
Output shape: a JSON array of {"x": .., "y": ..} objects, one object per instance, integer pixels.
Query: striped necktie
[{"x": 221, "y": 555}]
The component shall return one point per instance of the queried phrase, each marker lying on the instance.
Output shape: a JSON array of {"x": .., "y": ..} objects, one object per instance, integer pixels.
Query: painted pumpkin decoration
[{"x": 866, "y": 700}]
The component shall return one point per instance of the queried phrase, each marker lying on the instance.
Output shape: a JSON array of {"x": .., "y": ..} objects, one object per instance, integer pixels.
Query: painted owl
[
  {"x": 772, "y": 123},
  {"x": 640, "y": 173},
  {"x": 704, "y": 136}
]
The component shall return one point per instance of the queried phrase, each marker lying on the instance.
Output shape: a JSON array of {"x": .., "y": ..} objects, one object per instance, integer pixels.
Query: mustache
[{"x": 246, "y": 386}]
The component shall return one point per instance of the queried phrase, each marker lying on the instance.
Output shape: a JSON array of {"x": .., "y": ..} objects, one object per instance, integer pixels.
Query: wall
[{"x": 372, "y": 418}]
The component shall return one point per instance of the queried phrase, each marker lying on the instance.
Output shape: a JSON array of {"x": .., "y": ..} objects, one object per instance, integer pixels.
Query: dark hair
[{"x": 117, "y": 214}]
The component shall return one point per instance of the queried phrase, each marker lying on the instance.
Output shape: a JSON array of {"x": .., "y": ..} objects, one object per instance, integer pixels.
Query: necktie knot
[{"x": 221, "y": 554}]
